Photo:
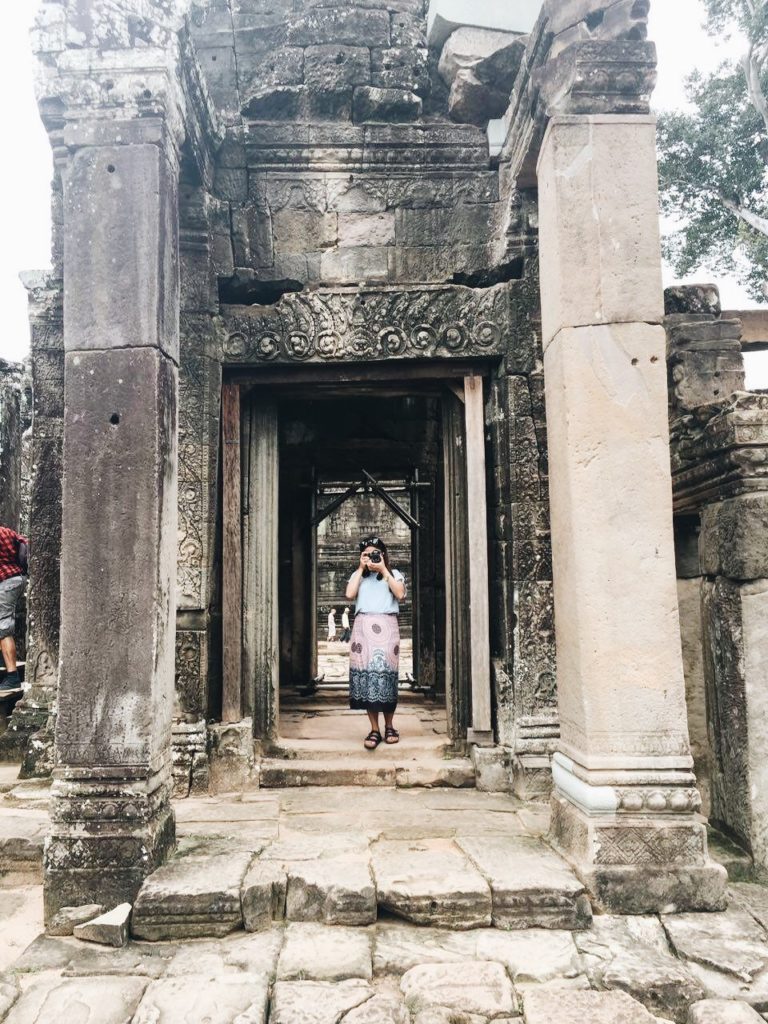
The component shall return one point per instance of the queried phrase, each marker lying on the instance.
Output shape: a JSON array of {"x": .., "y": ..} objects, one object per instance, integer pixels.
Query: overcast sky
[{"x": 25, "y": 169}]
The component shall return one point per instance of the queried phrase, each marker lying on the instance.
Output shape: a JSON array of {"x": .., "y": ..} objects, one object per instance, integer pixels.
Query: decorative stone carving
[{"x": 369, "y": 325}]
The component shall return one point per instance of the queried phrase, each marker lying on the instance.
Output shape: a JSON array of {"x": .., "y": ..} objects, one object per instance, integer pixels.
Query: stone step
[
  {"x": 215, "y": 886},
  {"x": 429, "y": 773},
  {"x": 407, "y": 751}
]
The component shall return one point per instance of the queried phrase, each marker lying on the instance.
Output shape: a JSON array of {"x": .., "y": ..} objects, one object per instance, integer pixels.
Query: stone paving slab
[
  {"x": 310, "y": 953},
  {"x": 220, "y": 1001},
  {"x": 21, "y": 920},
  {"x": 531, "y": 886},
  {"x": 723, "y": 1011},
  {"x": 726, "y": 952},
  {"x": 478, "y": 987},
  {"x": 92, "y": 1000},
  {"x": 632, "y": 955},
  {"x": 538, "y": 955},
  {"x": 430, "y": 882},
  {"x": 238, "y": 953},
  {"x": 556, "y": 1006},
  {"x": 316, "y": 1002}
]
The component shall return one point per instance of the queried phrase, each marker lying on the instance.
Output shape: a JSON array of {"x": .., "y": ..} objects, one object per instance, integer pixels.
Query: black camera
[{"x": 375, "y": 557}]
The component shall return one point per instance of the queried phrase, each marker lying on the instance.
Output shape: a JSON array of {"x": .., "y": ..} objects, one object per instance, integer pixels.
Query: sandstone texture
[{"x": 110, "y": 929}]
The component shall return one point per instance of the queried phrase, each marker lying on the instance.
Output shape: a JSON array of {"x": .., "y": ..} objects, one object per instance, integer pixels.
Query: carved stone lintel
[
  {"x": 601, "y": 77},
  {"x": 720, "y": 451},
  {"x": 362, "y": 325},
  {"x": 110, "y": 827}
]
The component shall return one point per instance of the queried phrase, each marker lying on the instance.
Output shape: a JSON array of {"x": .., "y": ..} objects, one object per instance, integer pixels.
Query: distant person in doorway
[
  {"x": 346, "y": 632},
  {"x": 374, "y": 659},
  {"x": 13, "y": 583},
  {"x": 332, "y": 625}
]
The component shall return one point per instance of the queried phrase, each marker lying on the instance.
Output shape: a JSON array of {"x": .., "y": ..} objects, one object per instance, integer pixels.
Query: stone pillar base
[
  {"x": 532, "y": 777},
  {"x": 110, "y": 828},
  {"x": 27, "y": 718},
  {"x": 639, "y": 863}
]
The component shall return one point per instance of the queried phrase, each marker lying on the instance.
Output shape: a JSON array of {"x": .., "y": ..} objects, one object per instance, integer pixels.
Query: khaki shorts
[{"x": 10, "y": 592}]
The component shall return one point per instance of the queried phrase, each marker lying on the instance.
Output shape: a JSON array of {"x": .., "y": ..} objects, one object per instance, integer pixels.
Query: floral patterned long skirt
[{"x": 374, "y": 663}]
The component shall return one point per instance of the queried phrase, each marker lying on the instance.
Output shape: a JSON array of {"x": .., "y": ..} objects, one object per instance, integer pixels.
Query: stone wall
[{"x": 720, "y": 467}]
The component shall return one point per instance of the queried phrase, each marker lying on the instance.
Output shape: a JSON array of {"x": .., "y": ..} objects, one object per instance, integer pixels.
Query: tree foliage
[{"x": 714, "y": 159}]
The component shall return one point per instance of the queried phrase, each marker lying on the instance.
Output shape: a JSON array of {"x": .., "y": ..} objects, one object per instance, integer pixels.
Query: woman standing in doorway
[{"x": 374, "y": 660}]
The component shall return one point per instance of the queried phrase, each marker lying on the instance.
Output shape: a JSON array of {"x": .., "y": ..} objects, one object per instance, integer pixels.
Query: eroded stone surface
[
  {"x": 430, "y": 882},
  {"x": 97, "y": 1000},
  {"x": 334, "y": 891},
  {"x": 313, "y": 953},
  {"x": 218, "y": 1001},
  {"x": 722, "y": 1011},
  {"x": 316, "y": 1002},
  {"x": 64, "y": 922},
  {"x": 727, "y": 953},
  {"x": 480, "y": 987},
  {"x": 196, "y": 894},
  {"x": 110, "y": 929},
  {"x": 262, "y": 894},
  {"x": 631, "y": 954},
  {"x": 557, "y": 1006},
  {"x": 531, "y": 885}
]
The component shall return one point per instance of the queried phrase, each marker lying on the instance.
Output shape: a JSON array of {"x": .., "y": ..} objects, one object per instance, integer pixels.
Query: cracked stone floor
[{"x": 702, "y": 968}]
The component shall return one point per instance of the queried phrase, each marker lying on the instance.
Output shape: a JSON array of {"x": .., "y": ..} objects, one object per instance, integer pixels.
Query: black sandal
[
  {"x": 392, "y": 736},
  {"x": 372, "y": 740}
]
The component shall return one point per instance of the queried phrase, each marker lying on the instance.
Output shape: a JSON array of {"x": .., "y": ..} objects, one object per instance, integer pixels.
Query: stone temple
[{"x": 325, "y": 264}]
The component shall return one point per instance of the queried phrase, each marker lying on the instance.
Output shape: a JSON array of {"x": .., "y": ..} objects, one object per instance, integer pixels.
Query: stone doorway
[{"x": 300, "y": 446}]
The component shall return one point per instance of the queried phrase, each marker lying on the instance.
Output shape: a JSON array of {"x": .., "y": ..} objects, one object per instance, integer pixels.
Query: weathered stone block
[
  {"x": 109, "y": 1000},
  {"x": 64, "y": 922},
  {"x": 195, "y": 894},
  {"x": 531, "y": 886},
  {"x": 467, "y": 47},
  {"x": 473, "y": 102},
  {"x": 213, "y": 1000},
  {"x": 336, "y": 66},
  {"x": 631, "y": 954},
  {"x": 356, "y": 229},
  {"x": 399, "y": 67},
  {"x": 546, "y": 1005},
  {"x": 132, "y": 208},
  {"x": 374, "y": 104},
  {"x": 336, "y": 25},
  {"x": 481, "y": 988},
  {"x": 263, "y": 895},
  {"x": 358, "y": 263},
  {"x": 120, "y": 458},
  {"x": 430, "y": 882},
  {"x": 722, "y": 1011},
  {"x": 296, "y": 231},
  {"x": 321, "y": 1002},
  {"x": 735, "y": 618},
  {"x": 734, "y": 538},
  {"x": 315, "y": 952},
  {"x": 598, "y": 194},
  {"x": 110, "y": 929},
  {"x": 332, "y": 891}
]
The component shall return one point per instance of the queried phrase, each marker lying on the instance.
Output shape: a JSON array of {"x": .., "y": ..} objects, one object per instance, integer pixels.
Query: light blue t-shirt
[{"x": 374, "y": 596}]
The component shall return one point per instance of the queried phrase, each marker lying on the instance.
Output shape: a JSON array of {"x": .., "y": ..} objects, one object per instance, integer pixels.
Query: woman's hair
[{"x": 378, "y": 543}]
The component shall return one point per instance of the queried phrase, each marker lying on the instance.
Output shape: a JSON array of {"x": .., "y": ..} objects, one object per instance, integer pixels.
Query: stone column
[
  {"x": 625, "y": 799},
  {"x": 111, "y": 817},
  {"x": 29, "y": 737}
]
